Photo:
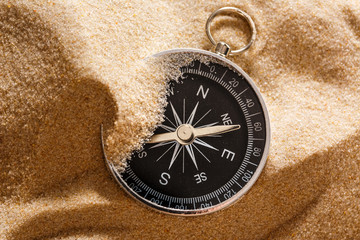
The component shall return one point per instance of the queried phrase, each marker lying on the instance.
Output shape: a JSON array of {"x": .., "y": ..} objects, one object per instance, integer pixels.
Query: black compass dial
[{"x": 209, "y": 147}]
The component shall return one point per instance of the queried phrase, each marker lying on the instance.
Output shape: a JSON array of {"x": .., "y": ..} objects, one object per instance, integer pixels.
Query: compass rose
[{"x": 183, "y": 135}]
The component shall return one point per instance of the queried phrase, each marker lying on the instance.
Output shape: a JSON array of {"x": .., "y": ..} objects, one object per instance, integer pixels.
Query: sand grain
[{"x": 68, "y": 66}]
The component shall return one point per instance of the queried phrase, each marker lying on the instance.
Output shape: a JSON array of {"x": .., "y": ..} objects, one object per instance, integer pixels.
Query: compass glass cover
[{"x": 211, "y": 171}]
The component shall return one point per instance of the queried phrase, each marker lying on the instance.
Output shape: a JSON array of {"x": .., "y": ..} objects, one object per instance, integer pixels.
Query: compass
[{"x": 213, "y": 142}]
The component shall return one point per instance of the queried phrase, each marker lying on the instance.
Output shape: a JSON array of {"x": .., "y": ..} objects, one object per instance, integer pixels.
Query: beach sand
[{"x": 68, "y": 66}]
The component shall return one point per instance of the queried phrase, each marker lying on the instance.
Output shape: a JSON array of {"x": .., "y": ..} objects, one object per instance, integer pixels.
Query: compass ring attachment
[{"x": 223, "y": 48}]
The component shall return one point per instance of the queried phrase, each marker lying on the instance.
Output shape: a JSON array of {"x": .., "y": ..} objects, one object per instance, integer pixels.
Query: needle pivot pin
[{"x": 185, "y": 132}]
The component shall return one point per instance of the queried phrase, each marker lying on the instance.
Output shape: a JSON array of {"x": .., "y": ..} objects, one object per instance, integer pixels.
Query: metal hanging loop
[{"x": 223, "y": 48}]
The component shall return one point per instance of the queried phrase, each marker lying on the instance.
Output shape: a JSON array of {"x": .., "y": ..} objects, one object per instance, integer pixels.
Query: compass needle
[
  {"x": 205, "y": 131},
  {"x": 186, "y": 134},
  {"x": 163, "y": 137}
]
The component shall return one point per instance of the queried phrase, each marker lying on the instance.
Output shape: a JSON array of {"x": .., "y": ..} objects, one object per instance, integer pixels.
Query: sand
[{"x": 68, "y": 66}]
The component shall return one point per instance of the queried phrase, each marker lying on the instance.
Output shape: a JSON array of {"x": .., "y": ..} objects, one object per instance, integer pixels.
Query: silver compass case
[{"x": 212, "y": 146}]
